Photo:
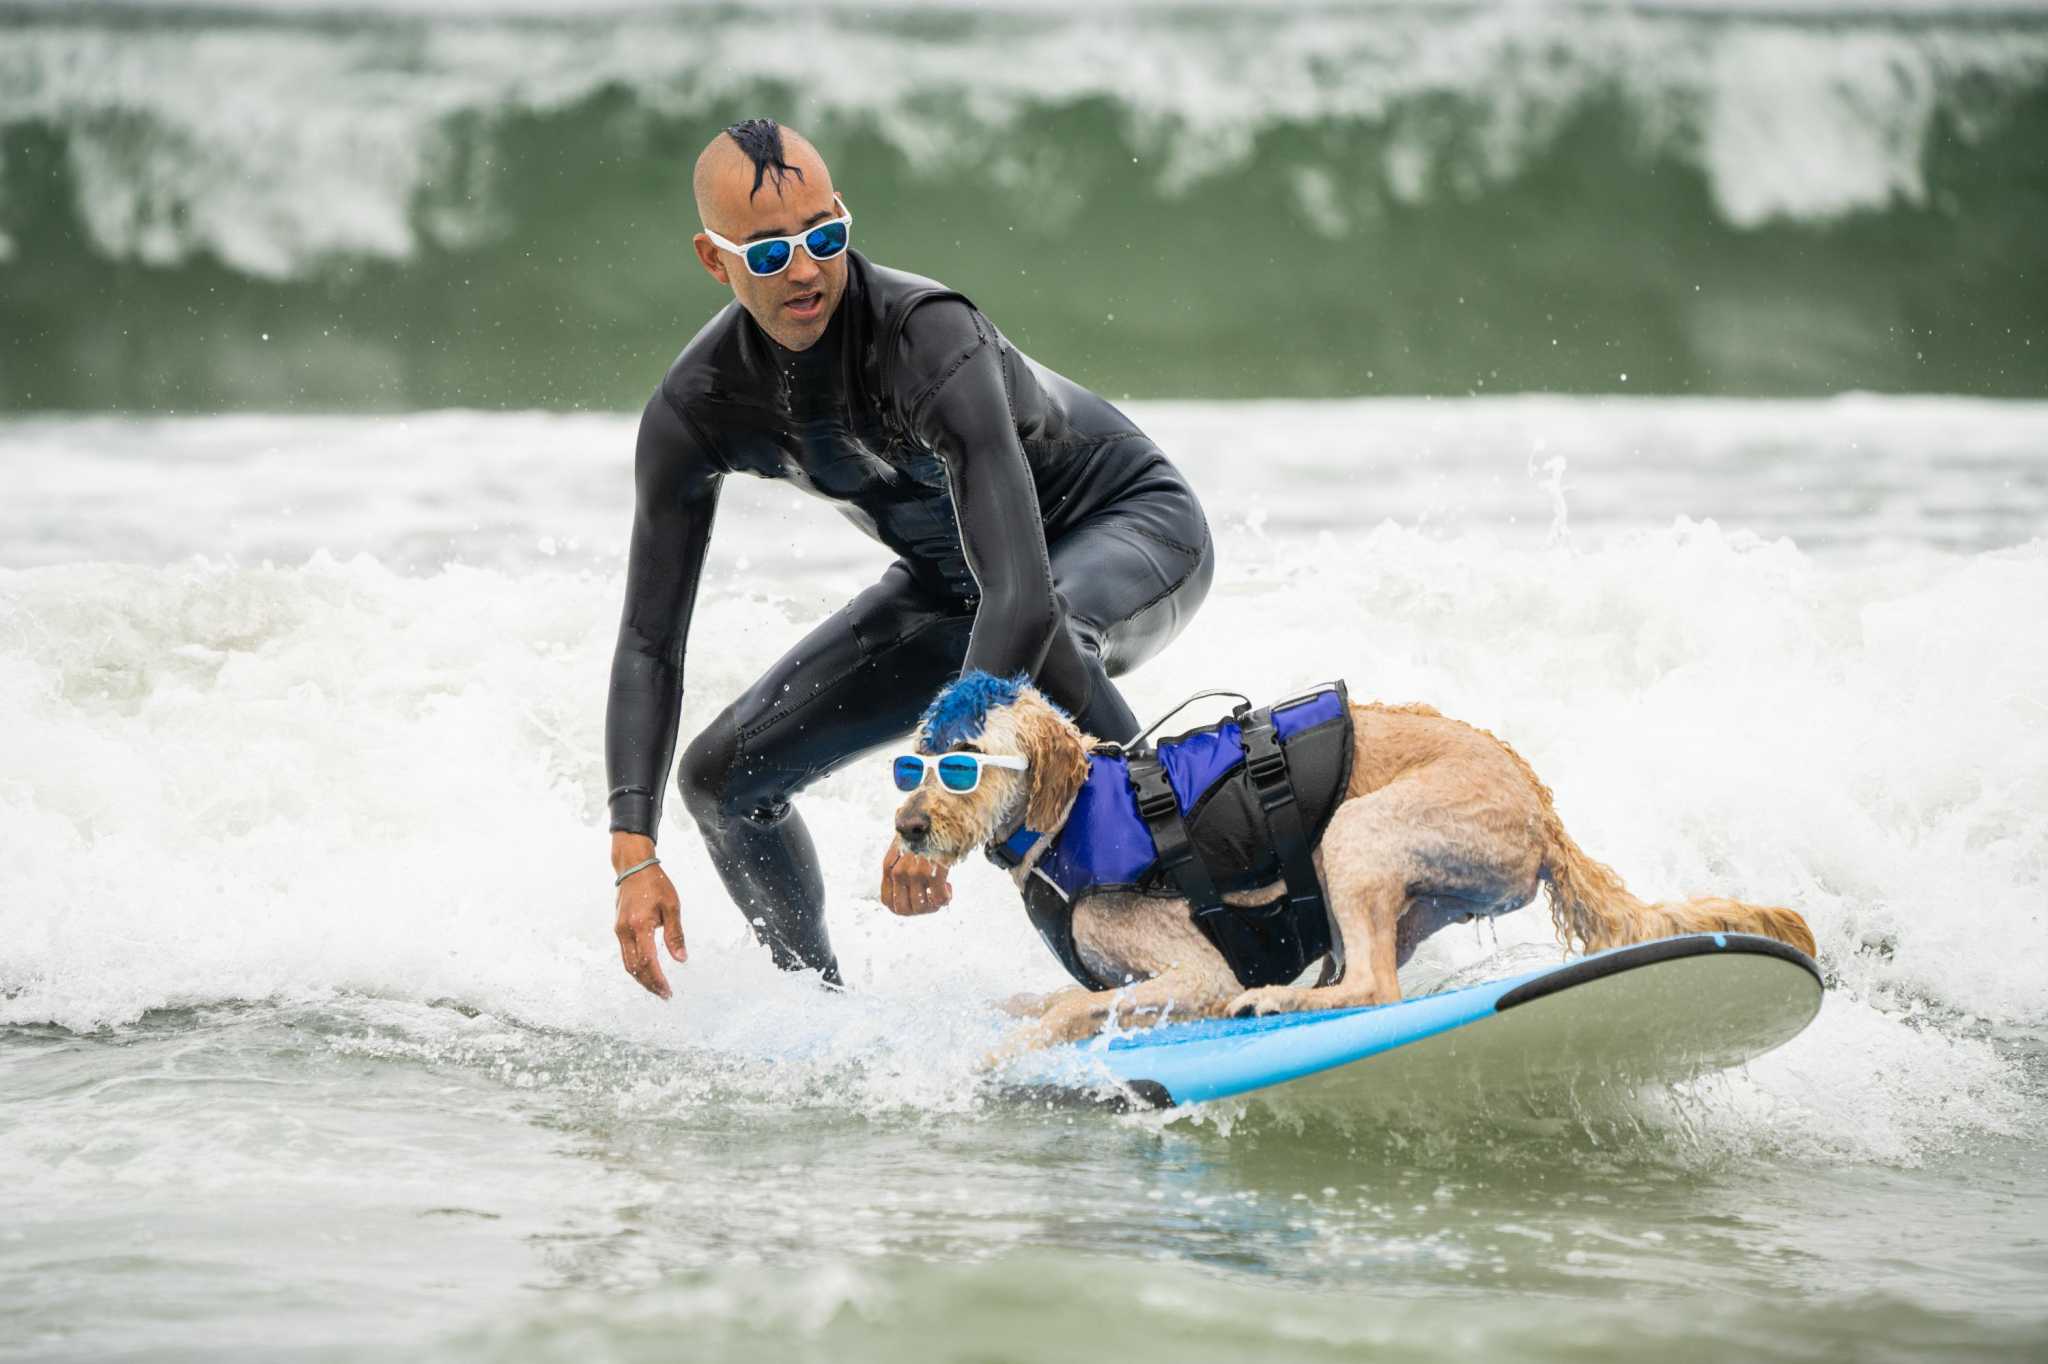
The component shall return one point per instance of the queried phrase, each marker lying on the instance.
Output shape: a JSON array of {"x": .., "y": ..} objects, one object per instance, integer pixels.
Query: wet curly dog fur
[{"x": 1440, "y": 819}]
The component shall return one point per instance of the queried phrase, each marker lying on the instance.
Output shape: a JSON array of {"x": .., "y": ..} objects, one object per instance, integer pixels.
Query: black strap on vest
[
  {"x": 1160, "y": 809},
  {"x": 1053, "y": 917},
  {"x": 1148, "y": 731},
  {"x": 1273, "y": 942},
  {"x": 1266, "y": 764},
  {"x": 1263, "y": 944}
]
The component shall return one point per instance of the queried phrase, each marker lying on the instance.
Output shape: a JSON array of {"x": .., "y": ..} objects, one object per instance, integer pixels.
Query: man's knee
[
  {"x": 706, "y": 767},
  {"x": 704, "y": 777},
  {"x": 716, "y": 786}
]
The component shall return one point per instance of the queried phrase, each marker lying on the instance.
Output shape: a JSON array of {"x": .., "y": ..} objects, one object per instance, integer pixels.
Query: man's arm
[
  {"x": 676, "y": 484},
  {"x": 962, "y": 411},
  {"x": 956, "y": 398},
  {"x": 675, "y": 497}
]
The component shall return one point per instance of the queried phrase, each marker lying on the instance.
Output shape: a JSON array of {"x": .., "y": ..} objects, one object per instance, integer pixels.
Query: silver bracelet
[{"x": 637, "y": 866}]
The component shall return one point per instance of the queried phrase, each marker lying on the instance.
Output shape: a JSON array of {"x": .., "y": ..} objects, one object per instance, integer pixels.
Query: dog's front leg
[
  {"x": 1051, "y": 1017},
  {"x": 1074, "y": 1014}
]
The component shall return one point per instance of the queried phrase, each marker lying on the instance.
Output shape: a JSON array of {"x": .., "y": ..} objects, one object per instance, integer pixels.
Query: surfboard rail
[{"x": 1645, "y": 1013}]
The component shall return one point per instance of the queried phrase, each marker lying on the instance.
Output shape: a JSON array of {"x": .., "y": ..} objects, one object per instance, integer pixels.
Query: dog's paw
[
  {"x": 1062, "y": 1021},
  {"x": 1023, "y": 1039},
  {"x": 1269, "y": 999}
]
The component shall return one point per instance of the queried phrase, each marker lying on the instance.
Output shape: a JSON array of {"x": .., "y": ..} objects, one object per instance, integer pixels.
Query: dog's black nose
[{"x": 913, "y": 825}]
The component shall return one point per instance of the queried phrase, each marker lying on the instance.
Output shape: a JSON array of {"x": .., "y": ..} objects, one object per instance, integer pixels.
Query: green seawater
[
  {"x": 287, "y": 207},
  {"x": 313, "y": 1042},
  {"x": 362, "y": 1181}
]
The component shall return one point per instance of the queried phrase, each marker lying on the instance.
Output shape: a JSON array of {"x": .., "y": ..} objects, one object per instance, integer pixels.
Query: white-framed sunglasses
[
  {"x": 771, "y": 255},
  {"x": 958, "y": 772}
]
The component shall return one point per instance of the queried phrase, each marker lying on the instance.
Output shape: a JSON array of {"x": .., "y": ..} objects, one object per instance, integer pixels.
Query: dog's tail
[
  {"x": 1589, "y": 903},
  {"x": 1591, "y": 906}
]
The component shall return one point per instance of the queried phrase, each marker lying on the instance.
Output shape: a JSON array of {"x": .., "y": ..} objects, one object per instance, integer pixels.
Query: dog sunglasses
[
  {"x": 771, "y": 255},
  {"x": 958, "y": 772}
]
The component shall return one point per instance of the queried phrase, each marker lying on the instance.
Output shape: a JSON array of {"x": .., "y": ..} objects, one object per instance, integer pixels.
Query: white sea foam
[
  {"x": 277, "y": 146},
  {"x": 1029, "y": 8},
  {"x": 1856, "y": 476},
  {"x": 329, "y": 776}
]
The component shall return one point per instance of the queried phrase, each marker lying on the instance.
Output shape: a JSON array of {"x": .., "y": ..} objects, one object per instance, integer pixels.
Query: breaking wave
[{"x": 1520, "y": 196}]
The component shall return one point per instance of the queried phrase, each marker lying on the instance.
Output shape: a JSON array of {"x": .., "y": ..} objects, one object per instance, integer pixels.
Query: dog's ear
[{"x": 1059, "y": 760}]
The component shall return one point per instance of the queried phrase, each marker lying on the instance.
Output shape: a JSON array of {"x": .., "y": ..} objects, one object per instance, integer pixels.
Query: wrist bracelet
[{"x": 637, "y": 866}]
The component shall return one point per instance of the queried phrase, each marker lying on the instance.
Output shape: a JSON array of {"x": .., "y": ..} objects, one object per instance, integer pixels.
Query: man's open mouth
[{"x": 803, "y": 305}]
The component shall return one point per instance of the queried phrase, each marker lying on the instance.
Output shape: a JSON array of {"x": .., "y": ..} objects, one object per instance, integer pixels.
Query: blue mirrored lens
[
  {"x": 767, "y": 258},
  {"x": 827, "y": 241},
  {"x": 958, "y": 772},
  {"x": 909, "y": 773}
]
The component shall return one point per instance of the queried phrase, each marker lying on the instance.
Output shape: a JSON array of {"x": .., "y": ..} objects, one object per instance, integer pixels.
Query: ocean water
[
  {"x": 314, "y": 1043},
  {"x": 320, "y": 325},
  {"x": 409, "y": 205}
]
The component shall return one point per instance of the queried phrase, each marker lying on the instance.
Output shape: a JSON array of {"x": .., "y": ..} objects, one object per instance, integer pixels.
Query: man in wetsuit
[{"x": 1036, "y": 530}]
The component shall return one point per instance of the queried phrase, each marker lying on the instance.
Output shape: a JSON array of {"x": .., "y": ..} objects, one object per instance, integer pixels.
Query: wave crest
[{"x": 276, "y": 144}]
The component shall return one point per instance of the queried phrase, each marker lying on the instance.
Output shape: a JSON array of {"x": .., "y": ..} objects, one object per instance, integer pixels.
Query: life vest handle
[{"x": 1198, "y": 696}]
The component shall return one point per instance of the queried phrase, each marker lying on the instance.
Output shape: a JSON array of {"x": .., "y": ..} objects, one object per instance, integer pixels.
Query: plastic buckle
[
  {"x": 1266, "y": 766},
  {"x": 1156, "y": 805}
]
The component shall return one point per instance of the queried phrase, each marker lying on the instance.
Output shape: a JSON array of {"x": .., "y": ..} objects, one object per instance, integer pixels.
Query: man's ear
[
  {"x": 1058, "y": 758},
  {"x": 711, "y": 258}
]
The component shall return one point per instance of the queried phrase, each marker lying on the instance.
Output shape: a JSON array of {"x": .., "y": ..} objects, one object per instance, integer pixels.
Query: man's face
[{"x": 795, "y": 306}]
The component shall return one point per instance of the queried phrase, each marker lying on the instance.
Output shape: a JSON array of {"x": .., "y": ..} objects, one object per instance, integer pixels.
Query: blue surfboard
[{"x": 1642, "y": 1014}]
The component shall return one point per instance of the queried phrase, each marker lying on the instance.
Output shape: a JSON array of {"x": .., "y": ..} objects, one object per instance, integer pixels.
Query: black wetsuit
[{"x": 1037, "y": 530}]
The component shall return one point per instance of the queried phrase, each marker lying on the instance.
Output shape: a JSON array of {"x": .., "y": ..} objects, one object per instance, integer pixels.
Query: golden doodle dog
[{"x": 1429, "y": 821}]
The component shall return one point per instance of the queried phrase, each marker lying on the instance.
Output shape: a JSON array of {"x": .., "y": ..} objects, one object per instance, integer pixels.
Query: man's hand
[
  {"x": 912, "y": 884},
  {"x": 647, "y": 903}
]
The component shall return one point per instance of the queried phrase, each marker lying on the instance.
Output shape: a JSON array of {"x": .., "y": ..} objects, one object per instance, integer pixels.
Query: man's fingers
[
  {"x": 672, "y": 932},
  {"x": 913, "y": 884},
  {"x": 896, "y": 892},
  {"x": 917, "y": 894},
  {"x": 649, "y": 973},
  {"x": 636, "y": 950},
  {"x": 933, "y": 886}
]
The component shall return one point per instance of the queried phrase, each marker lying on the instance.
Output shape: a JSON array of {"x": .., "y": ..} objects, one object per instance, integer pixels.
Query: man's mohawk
[{"x": 761, "y": 140}]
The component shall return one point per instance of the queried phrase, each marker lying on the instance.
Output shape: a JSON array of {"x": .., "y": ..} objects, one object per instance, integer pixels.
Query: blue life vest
[{"x": 1220, "y": 828}]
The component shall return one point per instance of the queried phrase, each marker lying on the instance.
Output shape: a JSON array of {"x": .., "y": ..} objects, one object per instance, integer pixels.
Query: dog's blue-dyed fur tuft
[{"x": 960, "y": 712}]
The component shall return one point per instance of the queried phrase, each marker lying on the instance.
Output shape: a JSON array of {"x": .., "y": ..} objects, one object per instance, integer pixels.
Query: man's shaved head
[
  {"x": 759, "y": 179},
  {"x": 750, "y": 155},
  {"x": 760, "y": 141}
]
